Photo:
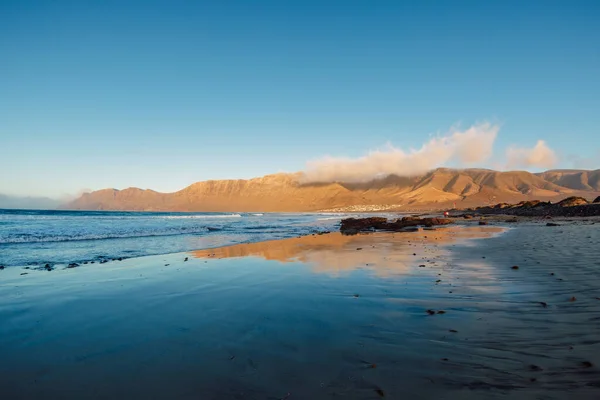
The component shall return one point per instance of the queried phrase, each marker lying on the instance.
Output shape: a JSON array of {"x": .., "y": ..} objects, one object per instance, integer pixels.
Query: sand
[{"x": 318, "y": 317}]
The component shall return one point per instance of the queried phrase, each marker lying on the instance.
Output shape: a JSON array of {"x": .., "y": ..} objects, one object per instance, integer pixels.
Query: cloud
[
  {"x": 464, "y": 148},
  {"x": 540, "y": 156}
]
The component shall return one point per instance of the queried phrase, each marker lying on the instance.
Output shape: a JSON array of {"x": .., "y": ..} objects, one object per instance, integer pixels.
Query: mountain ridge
[{"x": 285, "y": 192}]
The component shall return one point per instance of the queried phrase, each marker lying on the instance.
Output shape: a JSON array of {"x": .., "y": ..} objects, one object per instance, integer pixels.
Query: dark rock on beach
[
  {"x": 73, "y": 265},
  {"x": 569, "y": 207},
  {"x": 355, "y": 225}
]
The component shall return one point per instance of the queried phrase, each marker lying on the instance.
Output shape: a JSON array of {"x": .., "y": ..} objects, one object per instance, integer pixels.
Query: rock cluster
[{"x": 355, "y": 225}]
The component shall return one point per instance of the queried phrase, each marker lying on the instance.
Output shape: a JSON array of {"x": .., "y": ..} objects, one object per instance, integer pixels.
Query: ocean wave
[
  {"x": 78, "y": 238},
  {"x": 198, "y": 216},
  {"x": 258, "y": 214}
]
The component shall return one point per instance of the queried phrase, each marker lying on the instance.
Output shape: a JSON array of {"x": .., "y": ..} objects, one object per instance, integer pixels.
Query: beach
[{"x": 431, "y": 314}]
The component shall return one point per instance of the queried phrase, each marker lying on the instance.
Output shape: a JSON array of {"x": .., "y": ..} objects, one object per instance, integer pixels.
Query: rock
[
  {"x": 24, "y": 273},
  {"x": 48, "y": 267},
  {"x": 586, "y": 364},
  {"x": 1, "y": 267},
  {"x": 430, "y": 312},
  {"x": 483, "y": 223},
  {"x": 544, "y": 304},
  {"x": 514, "y": 267},
  {"x": 73, "y": 265},
  {"x": 552, "y": 224},
  {"x": 185, "y": 259},
  {"x": 441, "y": 312},
  {"x": 355, "y": 225},
  {"x": 512, "y": 220},
  {"x": 596, "y": 200},
  {"x": 573, "y": 201}
]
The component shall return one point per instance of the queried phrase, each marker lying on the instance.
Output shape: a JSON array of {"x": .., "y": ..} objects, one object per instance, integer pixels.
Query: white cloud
[
  {"x": 540, "y": 156},
  {"x": 465, "y": 148}
]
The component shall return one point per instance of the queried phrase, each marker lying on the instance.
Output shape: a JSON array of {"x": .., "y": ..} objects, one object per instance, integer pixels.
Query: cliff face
[{"x": 284, "y": 192}]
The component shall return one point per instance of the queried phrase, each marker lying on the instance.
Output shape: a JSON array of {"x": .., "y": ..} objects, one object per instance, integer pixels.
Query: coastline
[{"x": 316, "y": 317}]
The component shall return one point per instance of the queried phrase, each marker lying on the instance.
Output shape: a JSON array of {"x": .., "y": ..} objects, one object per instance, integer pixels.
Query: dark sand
[{"x": 316, "y": 318}]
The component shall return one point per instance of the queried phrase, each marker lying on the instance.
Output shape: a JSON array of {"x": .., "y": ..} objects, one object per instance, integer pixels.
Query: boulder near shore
[{"x": 354, "y": 225}]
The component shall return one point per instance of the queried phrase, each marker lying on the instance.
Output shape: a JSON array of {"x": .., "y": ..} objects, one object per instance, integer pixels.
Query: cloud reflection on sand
[{"x": 382, "y": 252}]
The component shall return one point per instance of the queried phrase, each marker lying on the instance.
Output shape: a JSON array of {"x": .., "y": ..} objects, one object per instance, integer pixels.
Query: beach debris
[
  {"x": 431, "y": 312},
  {"x": 586, "y": 364},
  {"x": 85, "y": 262},
  {"x": 422, "y": 266},
  {"x": 359, "y": 248},
  {"x": 103, "y": 261},
  {"x": 483, "y": 223},
  {"x": 166, "y": 265},
  {"x": 552, "y": 224},
  {"x": 73, "y": 265},
  {"x": 1, "y": 267},
  {"x": 512, "y": 220},
  {"x": 355, "y": 295},
  {"x": 185, "y": 259},
  {"x": 438, "y": 281},
  {"x": 543, "y": 303},
  {"x": 380, "y": 392},
  {"x": 573, "y": 299},
  {"x": 441, "y": 312},
  {"x": 452, "y": 330},
  {"x": 514, "y": 267},
  {"x": 536, "y": 368},
  {"x": 24, "y": 273},
  {"x": 48, "y": 267}
]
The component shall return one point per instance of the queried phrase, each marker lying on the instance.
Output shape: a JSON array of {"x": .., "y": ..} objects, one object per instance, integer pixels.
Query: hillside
[{"x": 283, "y": 192}]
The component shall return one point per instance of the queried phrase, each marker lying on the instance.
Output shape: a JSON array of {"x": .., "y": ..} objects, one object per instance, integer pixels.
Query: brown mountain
[{"x": 284, "y": 192}]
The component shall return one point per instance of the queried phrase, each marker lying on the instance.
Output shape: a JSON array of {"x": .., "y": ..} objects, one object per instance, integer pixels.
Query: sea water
[{"x": 34, "y": 237}]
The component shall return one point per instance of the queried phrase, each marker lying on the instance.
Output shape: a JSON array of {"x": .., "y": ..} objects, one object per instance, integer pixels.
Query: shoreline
[{"x": 460, "y": 220}]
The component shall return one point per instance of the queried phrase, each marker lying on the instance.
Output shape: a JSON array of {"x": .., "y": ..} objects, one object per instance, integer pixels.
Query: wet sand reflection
[{"x": 333, "y": 253}]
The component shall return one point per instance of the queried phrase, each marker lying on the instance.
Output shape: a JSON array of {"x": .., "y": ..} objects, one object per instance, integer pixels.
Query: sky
[{"x": 159, "y": 95}]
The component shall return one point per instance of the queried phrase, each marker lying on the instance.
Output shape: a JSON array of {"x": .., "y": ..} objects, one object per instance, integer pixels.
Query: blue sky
[{"x": 162, "y": 94}]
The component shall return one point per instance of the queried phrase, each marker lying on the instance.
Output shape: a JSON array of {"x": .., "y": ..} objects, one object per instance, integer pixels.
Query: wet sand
[{"x": 317, "y": 317}]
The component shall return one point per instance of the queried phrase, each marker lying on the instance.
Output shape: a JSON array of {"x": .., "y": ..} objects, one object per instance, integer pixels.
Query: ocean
[{"x": 39, "y": 237}]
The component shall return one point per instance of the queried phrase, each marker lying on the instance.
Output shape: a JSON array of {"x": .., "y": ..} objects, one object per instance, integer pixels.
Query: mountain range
[
  {"x": 21, "y": 202},
  {"x": 440, "y": 188}
]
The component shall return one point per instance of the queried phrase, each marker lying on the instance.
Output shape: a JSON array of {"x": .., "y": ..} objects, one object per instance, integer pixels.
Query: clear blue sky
[{"x": 163, "y": 94}]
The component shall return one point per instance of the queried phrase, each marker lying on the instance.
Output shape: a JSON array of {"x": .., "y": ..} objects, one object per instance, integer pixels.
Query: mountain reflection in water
[{"x": 385, "y": 253}]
